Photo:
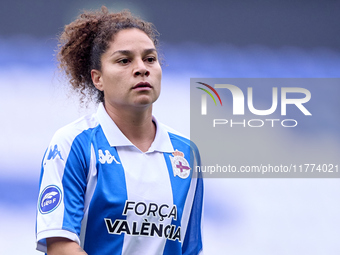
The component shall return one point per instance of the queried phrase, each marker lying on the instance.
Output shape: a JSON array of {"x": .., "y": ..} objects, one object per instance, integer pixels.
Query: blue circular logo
[{"x": 49, "y": 199}]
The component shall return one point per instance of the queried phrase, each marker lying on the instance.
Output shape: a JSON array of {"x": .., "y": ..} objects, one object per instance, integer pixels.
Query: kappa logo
[
  {"x": 180, "y": 165},
  {"x": 53, "y": 153},
  {"x": 107, "y": 158}
]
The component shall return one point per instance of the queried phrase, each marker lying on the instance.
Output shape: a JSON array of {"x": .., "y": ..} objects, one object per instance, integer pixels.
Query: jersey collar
[{"x": 115, "y": 137}]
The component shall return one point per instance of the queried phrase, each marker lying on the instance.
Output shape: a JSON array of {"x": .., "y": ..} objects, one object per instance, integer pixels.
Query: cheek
[
  {"x": 159, "y": 77},
  {"x": 159, "y": 72},
  {"x": 112, "y": 81}
]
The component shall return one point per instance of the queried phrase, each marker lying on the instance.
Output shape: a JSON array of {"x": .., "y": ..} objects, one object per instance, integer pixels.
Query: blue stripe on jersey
[
  {"x": 107, "y": 202},
  {"x": 74, "y": 181},
  {"x": 180, "y": 187},
  {"x": 43, "y": 242},
  {"x": 195, "y": 155},
  {"x": 193, "y": 239}
]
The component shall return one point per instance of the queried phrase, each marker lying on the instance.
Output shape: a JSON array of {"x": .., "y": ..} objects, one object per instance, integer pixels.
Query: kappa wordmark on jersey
[
  {"x": 107, "y": 157},
  {"x": 53, "y": 153}
]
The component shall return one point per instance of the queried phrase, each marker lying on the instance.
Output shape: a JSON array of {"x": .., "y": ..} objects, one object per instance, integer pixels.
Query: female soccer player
[{"x": 117, "y": 181}]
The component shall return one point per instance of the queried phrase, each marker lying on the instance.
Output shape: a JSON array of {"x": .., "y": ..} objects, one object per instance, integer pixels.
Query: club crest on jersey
[
  {"x": 107, "y": 157},
  {"x": 180, "y": 165},
  {"x": 49, "y": 199}
]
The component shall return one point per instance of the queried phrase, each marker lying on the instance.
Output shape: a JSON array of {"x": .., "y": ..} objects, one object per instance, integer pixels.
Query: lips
[{"x": 142, "y": 85}]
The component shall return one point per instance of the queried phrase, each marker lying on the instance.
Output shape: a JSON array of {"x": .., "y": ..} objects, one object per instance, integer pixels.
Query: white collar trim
[{"x": 115, "y": 137}]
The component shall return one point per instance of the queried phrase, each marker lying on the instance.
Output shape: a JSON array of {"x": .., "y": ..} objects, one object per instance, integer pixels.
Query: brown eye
[
  {"x": 151, "y": 59},
  {"x": 124, "y": 61}
]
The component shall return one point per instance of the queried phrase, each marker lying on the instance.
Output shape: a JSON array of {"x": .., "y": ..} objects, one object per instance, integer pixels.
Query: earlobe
[{"x": 96, "y": 76}]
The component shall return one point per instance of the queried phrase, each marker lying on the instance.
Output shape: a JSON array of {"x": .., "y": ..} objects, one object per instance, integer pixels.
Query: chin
[{"x": 146, "y": 101}]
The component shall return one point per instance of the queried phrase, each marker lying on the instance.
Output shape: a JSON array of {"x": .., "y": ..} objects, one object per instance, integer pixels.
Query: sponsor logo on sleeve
[
  {"x": 180, "y": 165},
  {"x": 50, "y": 199}
]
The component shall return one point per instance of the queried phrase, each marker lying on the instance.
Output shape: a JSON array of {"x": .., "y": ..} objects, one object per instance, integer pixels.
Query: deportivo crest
[{"x": 180, "y": 165}]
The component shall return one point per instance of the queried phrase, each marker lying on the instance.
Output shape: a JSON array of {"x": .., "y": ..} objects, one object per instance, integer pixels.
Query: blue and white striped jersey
[{"x": 99, "y": 190}]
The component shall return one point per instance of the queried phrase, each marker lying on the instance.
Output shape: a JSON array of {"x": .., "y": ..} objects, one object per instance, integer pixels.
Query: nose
[{"x": 141, "y": 69}]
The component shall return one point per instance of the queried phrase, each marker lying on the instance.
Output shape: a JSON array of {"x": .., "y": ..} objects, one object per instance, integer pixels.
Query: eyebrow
[{"x": 129, "y": 53}]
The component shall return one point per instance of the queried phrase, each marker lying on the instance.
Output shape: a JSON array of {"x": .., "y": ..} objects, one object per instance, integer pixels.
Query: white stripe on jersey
[{"x": 145, "y": 174}]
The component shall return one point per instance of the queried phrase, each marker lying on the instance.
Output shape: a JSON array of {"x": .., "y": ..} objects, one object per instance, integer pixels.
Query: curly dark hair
[{"x": 83, "y": 42}]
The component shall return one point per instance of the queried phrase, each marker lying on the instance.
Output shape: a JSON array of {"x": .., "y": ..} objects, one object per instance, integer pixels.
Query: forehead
[{"x": 130, "y": 39}]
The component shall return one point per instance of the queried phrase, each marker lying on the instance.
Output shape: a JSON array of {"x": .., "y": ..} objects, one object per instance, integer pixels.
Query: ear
[{"x": 96, "y": 76}]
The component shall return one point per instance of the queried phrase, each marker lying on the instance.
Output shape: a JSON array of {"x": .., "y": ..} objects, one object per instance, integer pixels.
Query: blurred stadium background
[{"x": 198, "y": 39}]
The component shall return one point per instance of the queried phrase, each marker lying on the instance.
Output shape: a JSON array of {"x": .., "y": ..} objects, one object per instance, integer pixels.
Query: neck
[{"x": 137, "y": 126}]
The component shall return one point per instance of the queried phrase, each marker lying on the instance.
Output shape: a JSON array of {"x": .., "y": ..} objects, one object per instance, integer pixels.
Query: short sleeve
[{"x": 62, "y": 187}]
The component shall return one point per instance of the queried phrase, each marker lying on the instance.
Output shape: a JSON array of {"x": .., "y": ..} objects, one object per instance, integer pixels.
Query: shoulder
[
  {"x": 74, "y": 136},
  {"x": 82, "y": 125}
]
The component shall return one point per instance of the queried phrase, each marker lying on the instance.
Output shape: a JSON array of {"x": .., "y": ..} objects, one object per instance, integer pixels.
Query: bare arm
[{"x": 63, "y": 246}]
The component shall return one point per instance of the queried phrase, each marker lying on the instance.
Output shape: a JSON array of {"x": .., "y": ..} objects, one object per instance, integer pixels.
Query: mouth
[{"x": 142, "y": 85}]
